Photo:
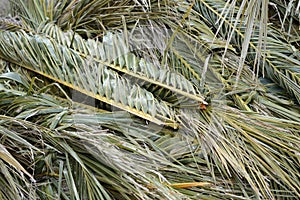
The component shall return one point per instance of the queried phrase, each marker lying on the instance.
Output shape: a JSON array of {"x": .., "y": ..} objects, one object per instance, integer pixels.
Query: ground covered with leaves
[{"x": 150, "y": 100}]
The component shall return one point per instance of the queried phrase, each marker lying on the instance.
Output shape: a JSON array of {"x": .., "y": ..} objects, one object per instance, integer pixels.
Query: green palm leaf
[
  {"x": 243, "y": 145},
  {"x": 40, "y": 54},
  {"x": 114, "y": 53},
  {"x": 281, "y": 69}
]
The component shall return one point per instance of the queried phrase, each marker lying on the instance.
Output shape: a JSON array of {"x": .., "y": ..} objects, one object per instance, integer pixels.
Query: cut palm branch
[
  {"x": 114, "y": 53},
  {"x": 47, "y": 58}
]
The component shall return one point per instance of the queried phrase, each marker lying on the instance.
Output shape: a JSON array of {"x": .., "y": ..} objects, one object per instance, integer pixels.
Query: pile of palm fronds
[{"x": 150, "y": 100}]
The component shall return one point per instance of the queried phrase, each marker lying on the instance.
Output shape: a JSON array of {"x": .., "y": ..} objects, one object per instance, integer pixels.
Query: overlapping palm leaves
[
  {"x": 280, "y": 66},
  {"x": 243, "y": 145},
  {"x": 58, "y": 131}
]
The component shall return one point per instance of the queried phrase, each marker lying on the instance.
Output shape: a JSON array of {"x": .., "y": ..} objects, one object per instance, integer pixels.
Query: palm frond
[
  {"x": 222, "y": 71},
  {"x": 282, "y": 71},
  {"x": 65, "y": 147},
  {"x": 90, "y": 18},
  {"x": 100, "y": 82},
  {"x": 243, "y": 144},
  {"x": 64, "y": 160},
  {"x": 12, "y": 23}
]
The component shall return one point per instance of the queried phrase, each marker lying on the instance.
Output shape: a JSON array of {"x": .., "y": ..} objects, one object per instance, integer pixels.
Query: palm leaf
[
  {"x": 105, "y": 86},
  {"x": 10, "y": 24},
  {"x": 245, "y": 143},
  {"x": 284, "y": 73},
  {"x": 114, "y": 49},
  {"x": 226, "y": 79},
  {"x": 75, "y": 140}
]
